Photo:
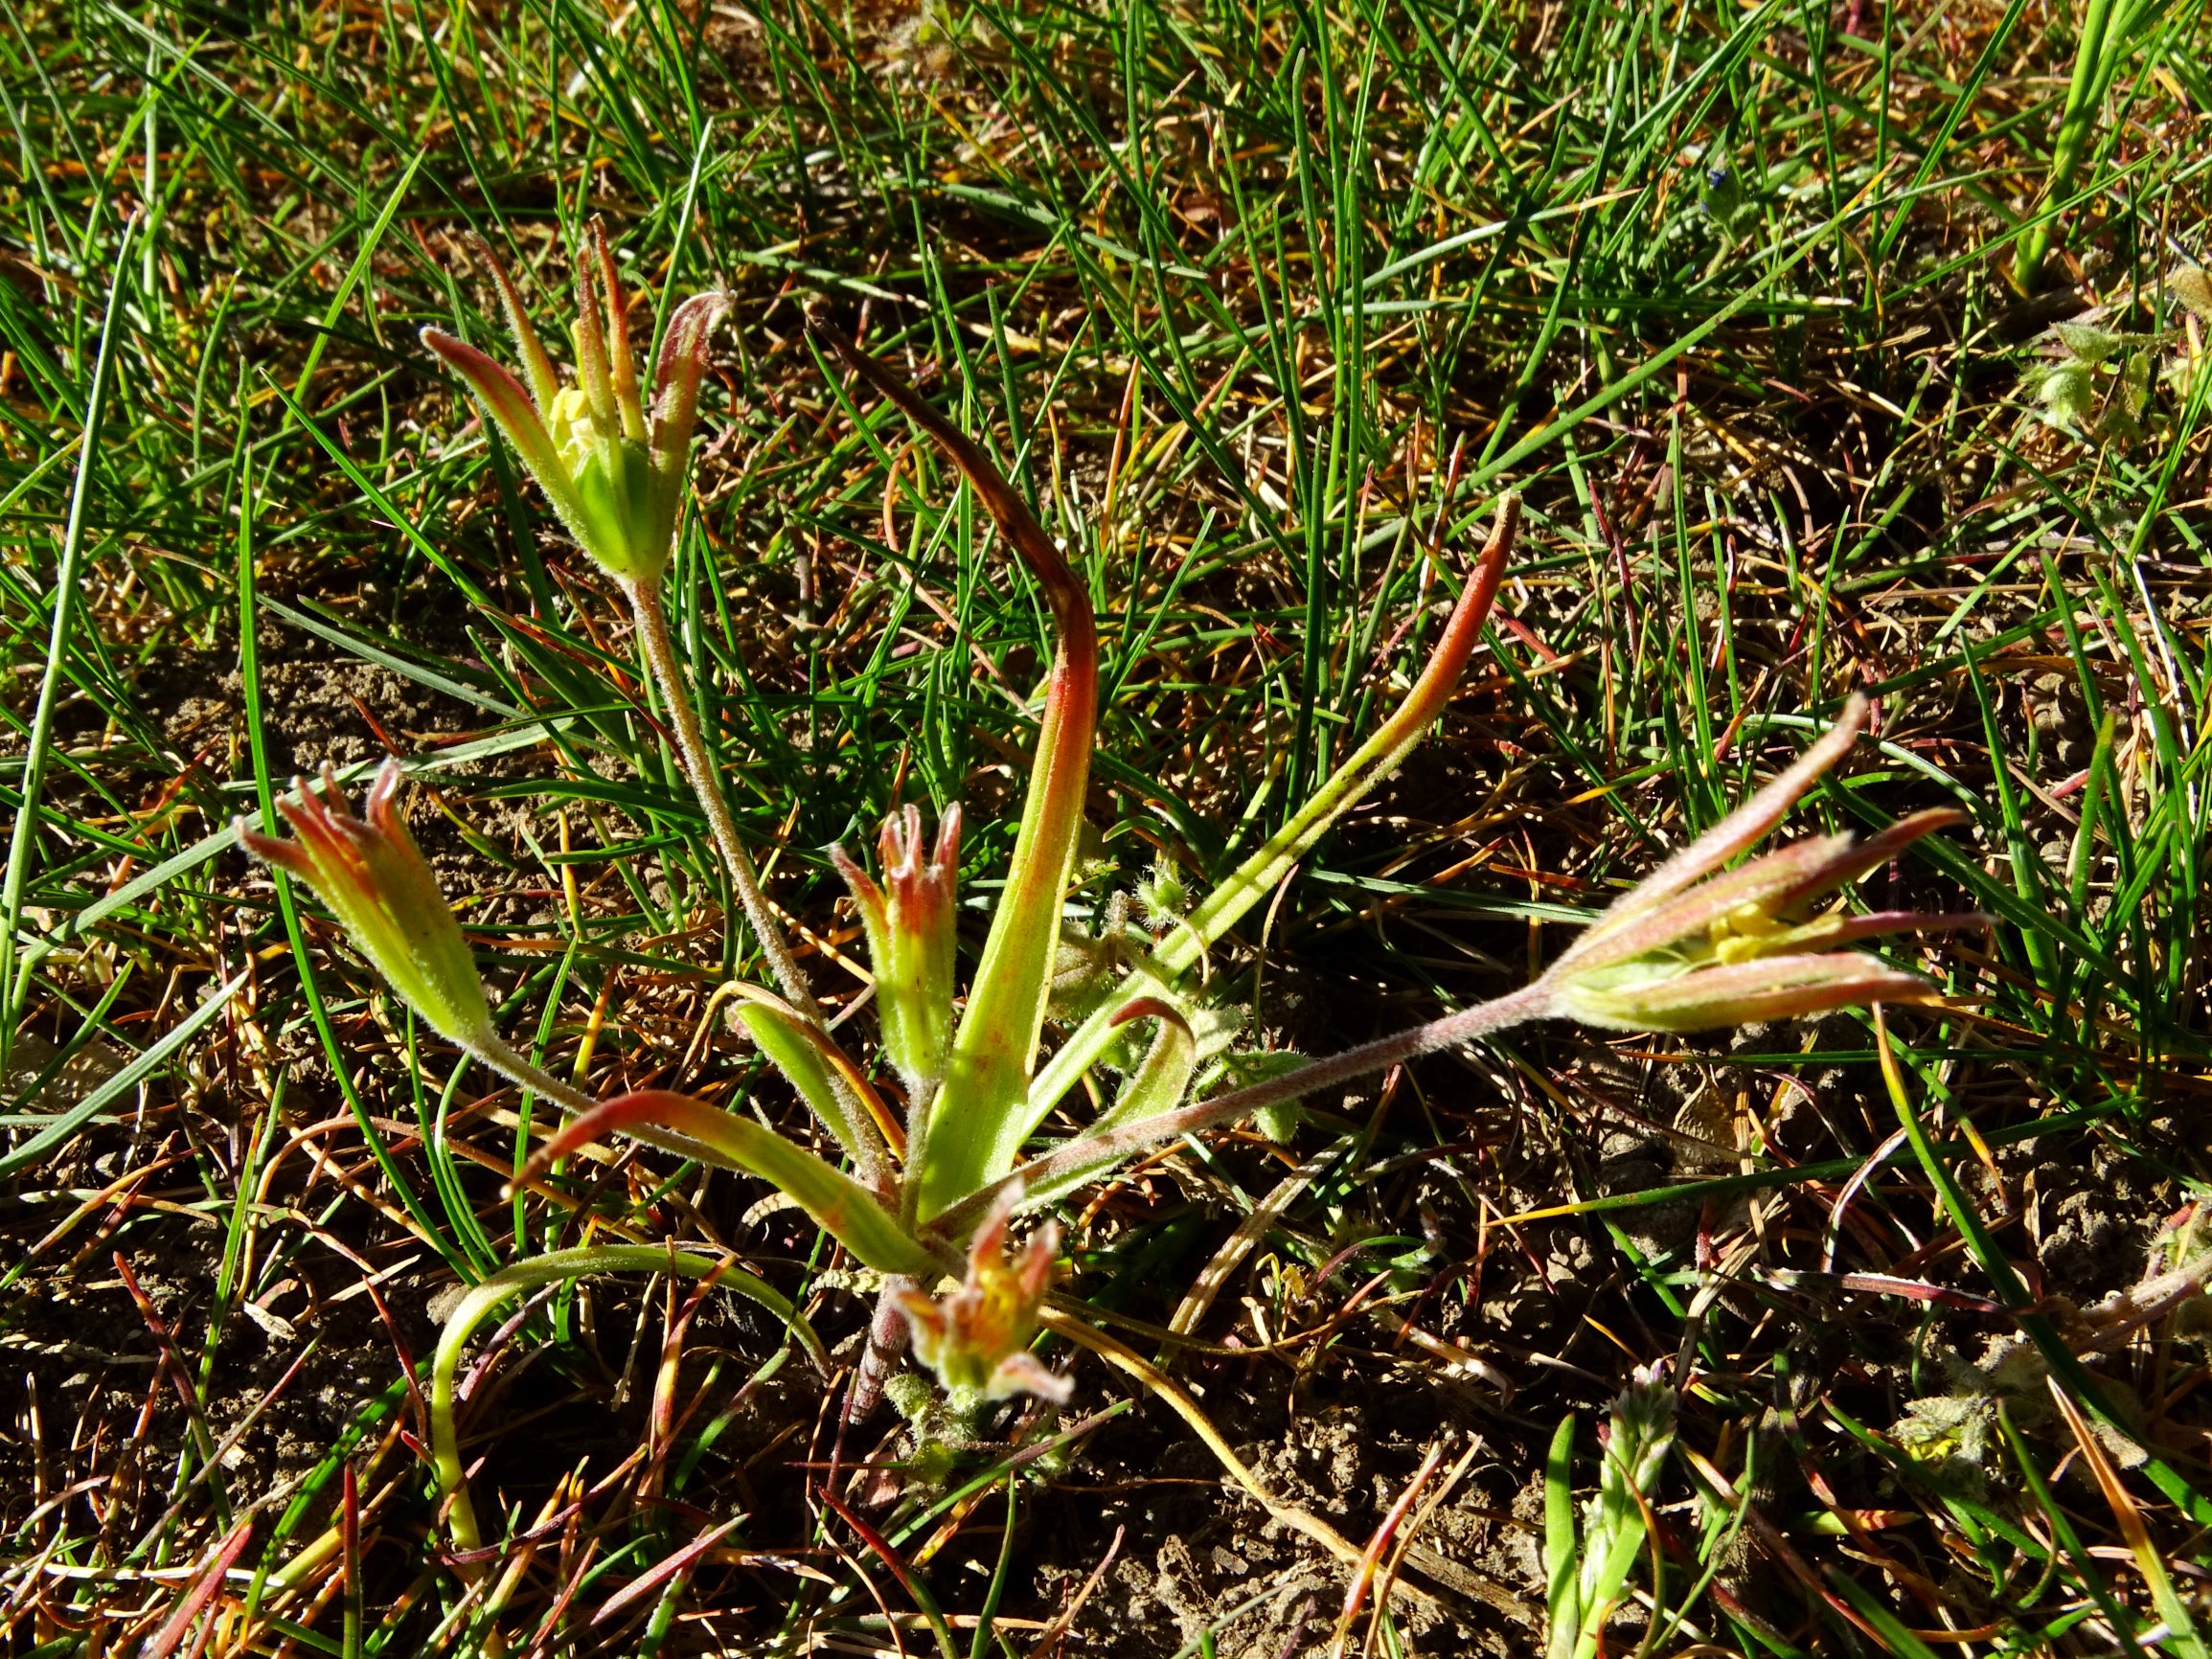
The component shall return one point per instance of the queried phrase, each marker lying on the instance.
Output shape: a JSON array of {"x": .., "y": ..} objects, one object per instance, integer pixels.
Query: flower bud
[
  {"x": 912, "y": 925},
  {"x": 2067, "y": 394},
  {"x": 977, "y": 1339},
  {"x": 372, "y": 876}
]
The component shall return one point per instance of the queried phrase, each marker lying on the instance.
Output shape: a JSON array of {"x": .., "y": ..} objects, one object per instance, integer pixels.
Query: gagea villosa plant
[{"x": 925, "y": 1191}]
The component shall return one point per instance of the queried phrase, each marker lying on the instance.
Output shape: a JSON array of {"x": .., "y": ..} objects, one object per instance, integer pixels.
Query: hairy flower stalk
[
  {"x": 1690, "y": 948},
  {"x": 617, "y": 474},
  {"x": 652, "y": 632}
]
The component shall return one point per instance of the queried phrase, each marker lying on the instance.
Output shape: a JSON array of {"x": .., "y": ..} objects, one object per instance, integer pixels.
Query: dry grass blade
[
  {"x": 2179, "y": 1635},
  {"x": 203, "y": 1590},
  {"x": 1371, "y": 1557}
]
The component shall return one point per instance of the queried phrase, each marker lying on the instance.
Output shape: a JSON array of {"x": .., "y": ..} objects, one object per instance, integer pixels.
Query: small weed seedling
[
  {"x": 2101, "y": 383},
  {"x": 1586, "y": 1575}
]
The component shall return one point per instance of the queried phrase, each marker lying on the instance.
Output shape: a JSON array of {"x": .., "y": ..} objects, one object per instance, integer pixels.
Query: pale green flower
[
  {"x": 1693, "y": 948},
  {"x": 614, "y": 470}
]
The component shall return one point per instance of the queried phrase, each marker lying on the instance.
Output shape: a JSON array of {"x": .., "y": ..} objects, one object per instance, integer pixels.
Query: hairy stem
[
  {"x": 652, "y": 632},
  {"x": 886, "y": 1344},
  {"x": 1096, "y": 1151},
  {"x": 652, "y": 629},
  {"x": 510, "y": 1064}
]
